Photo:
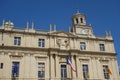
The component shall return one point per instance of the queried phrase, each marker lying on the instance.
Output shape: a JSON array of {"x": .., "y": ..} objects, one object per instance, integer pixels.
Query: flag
[
  {"x": 70, "y": 64},
  {"x": 88, "y": 73},
  {"x": 109, "y": 71}
]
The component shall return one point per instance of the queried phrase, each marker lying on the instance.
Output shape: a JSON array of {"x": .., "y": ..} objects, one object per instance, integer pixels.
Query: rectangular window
[
  {"x": 85, "y": 71},
  {"x": 102, "y": 47},
  {"x": 63, "y": 72},
  {"x": 41, "y": 70},
  {"x": 15, "y": 69},
  {"x": 17, "y": 41},
  {"x": 41, "y": 42},
  {"x": 1, "y": 65},
  {"x": 82, "y": 46},
  {"x": 105, "y": 70}
]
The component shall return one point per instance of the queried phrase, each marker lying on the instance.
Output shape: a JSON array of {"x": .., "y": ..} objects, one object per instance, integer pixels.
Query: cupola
[{"x": 78, "y": 19}]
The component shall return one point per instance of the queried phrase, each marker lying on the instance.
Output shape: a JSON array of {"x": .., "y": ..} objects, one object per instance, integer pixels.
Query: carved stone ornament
[{"x": 62, "y": 43}]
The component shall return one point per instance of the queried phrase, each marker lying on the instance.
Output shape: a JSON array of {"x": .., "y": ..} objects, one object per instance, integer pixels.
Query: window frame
[
  {"x": 81, "y": 19},
  {"x": 102, "y": 47},
  {"x": 63, "y": 71},
  {"x": 14, "y": 69},
  {"x": 41, "y": 70},
  {"x": 17, "y": 41},
  {"x": 85, "y": 70},
  {"x": 41, "y": 42},
  {"x": 105, "y": 72},
  {"x": 77, "y": 21},
  {"x": 82, "y": 46}
]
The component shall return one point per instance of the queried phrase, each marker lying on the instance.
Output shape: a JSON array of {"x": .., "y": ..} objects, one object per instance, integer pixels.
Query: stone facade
[{"x": 30, "y": 49}]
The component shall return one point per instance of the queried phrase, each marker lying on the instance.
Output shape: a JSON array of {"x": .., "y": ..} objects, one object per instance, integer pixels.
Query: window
[
  {"x": 41, "y": 70},
  {"x": 82, "y": 46},
  {"x": 1, "y": 65},
  {"x": 102, "y": 47},
  {"x": 85, "y": 71},
  {"x": 15, "y": 69},
  {"x": 77, "y": 20},
  {"x": 81, "y": 19},
  {"x": 41, "y": 42},
  {"x": 63, "y": 72},
  {"x": 105, "y": 70},
  {"x": 17, "y": 41}
]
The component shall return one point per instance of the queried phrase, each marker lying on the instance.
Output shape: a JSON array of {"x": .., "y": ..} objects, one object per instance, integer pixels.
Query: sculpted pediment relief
[
  {"x": 63, "y": 34},
  {"x": 63, "y": 39},
  {"x": 63, "y": 43}
]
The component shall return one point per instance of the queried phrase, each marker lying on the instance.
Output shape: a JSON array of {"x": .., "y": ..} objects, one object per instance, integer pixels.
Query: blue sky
[{"x": 104, "y": 15}]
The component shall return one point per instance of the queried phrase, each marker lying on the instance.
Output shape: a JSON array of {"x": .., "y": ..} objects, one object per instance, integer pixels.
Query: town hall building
[{"x": 29, "y": 54}]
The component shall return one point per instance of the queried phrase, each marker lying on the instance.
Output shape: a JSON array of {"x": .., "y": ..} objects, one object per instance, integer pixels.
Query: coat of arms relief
[{"x": 63, "y": 43}]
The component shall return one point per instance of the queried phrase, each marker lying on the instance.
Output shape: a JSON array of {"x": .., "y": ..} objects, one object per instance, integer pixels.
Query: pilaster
[
  {"x": 57, "y": 67},
  {"x": 111, "y": 67},
  {"x": 99, "y": 69},
  {"x": 78, "y": 67},
  {"x": 115, "y": 73},
  {"x": 33, "y": 67},
  {"x": 52, "y": 67},
  {"x": 8, "y": 66},
  {"x": 92, "y": 68},
  {"x": 27, "y": 66},
  {"x": 117, "y": 69},
  {"x": 81, "y": 70},
  {"x": 47, "y": 68}
]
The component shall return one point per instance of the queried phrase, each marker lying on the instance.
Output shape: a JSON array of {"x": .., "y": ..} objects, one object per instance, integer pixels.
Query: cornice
[
  {"x": 55, "y": 50},
  {"x": 47, "y": 34}
]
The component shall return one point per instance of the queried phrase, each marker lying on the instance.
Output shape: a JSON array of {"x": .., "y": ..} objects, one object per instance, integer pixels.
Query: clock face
[{"x": 85, "y": 31}]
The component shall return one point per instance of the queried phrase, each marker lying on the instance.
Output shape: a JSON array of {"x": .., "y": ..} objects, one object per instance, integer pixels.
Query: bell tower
[
  {"x": 79, "y": 26},
  {"x": 78, "y": 19}
]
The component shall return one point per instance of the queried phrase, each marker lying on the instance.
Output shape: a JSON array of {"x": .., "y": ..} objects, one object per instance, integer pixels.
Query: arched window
[
  {"x": 77, "y": 20},
  {"x": 81, "y": 19}
]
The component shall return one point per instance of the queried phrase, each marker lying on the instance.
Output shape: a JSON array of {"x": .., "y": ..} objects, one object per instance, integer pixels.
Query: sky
[{"x": 103, "y": 15}]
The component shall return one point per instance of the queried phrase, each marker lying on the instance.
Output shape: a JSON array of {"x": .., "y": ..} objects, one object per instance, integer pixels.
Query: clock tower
[{"x": 79, "y": 25}]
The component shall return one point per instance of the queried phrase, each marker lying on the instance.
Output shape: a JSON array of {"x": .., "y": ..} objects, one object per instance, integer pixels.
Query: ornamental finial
[{"x": 32, "y": 25}]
